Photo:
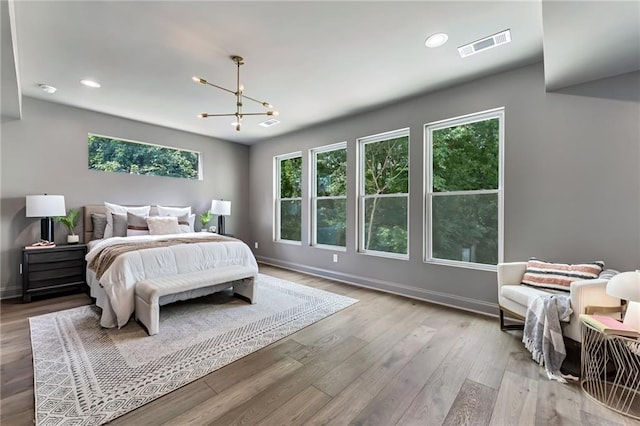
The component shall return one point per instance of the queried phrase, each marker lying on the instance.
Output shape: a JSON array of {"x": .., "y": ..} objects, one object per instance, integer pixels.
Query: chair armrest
[
  {"x": 590, "y": 293},
  {"x": 510, "y": 273}
]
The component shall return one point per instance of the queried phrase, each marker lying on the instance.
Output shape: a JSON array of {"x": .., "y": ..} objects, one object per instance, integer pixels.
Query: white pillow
[
  {"x": 186, "y": 222},
  {"x": 163, "y": 225},
  {"x": 118, "y": 209},
  {"x": 173, "y": 211}
]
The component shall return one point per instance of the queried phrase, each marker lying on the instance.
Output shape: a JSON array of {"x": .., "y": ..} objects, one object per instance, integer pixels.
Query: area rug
[{"x": 85, "y": 374}]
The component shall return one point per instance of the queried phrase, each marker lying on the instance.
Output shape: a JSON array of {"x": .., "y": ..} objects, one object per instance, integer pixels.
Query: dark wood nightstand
[{"x": 47, "y": 270}]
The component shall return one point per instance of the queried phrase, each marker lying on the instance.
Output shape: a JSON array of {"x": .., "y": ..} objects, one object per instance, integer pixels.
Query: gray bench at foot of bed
[{"x": 148, "y": 292}]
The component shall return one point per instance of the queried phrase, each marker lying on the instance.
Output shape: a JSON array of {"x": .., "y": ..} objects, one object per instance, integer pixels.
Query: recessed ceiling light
[
  {"x": 436, "y": 40},
  {"x": 47, "y": 89},
  {"x": 90, "y": 83}
]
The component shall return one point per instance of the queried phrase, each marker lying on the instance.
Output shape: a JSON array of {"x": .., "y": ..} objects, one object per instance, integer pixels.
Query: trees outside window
[
  {"x": 384, "y": 193},
  {"x": 329, "y": 195},
  {"x": 464, "y": 188},
  {"x": 123, "y": 156},
  {"x": 289, "y": 197}
]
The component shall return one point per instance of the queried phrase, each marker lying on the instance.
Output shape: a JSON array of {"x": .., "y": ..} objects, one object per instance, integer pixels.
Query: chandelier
[{"x": 240, "y": 96}]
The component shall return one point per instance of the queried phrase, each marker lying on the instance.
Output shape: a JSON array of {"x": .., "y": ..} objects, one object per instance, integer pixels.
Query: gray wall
[
  {"x": 46, "y": 152},
  {"x": 572, "y": 183}
]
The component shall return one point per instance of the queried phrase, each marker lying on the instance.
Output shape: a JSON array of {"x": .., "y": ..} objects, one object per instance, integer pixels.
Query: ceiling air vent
[
  {"x": 269, "y": 123},
  {"x": 485, "y": 43}
]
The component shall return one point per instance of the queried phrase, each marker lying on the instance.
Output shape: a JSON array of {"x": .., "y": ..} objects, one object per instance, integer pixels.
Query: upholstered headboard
[{"x": 99, "y": 208}]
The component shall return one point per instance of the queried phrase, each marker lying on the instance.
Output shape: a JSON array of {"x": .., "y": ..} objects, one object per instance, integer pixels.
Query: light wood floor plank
[
  {"x": 473, "y": 405},
  {"x": 297, "y": 410},
  {"x": 517, "y": 400}
]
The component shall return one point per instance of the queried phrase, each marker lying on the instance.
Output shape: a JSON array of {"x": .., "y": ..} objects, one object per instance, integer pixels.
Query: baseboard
[
  {"x": 10, "y": 293},
  {"x": 444, "y": 299}
]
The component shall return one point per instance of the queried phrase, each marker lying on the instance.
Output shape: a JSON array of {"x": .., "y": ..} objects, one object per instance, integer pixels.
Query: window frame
[
  {"x": 131, "y": 141},
  {"x": 360, "y": 145},
  {"x": 429, "y": 128},
  {"x": 313, "y": 199},
  {"x": 278, "y": 199}
]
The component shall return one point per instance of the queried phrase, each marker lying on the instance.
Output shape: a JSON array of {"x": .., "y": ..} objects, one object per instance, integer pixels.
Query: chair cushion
[
  {"x": 558, "y": 276},
  {"x": 521, "y": 294}
]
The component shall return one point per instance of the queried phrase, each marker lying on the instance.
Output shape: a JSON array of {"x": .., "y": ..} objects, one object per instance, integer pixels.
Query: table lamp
[
  {"x": 221, "y": 208},
  {"x": 45, "y": 206},
  {"x": 626, "y": 285}
]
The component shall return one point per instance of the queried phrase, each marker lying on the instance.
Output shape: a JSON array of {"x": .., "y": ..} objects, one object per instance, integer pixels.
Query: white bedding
[{"x": 115, "y": 294}]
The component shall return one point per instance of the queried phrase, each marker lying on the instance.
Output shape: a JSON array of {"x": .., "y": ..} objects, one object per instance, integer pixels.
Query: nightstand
[{"x": 48, "y": 270}]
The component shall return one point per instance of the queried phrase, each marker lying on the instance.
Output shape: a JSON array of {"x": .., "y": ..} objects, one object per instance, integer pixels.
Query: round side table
[{"x": 611, "y": 370}]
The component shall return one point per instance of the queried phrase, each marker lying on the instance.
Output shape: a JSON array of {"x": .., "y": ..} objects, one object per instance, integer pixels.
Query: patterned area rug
[{"x": 85, "y": 374}]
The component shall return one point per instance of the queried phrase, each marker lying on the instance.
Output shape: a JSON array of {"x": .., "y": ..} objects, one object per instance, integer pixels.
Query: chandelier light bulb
[{"x": 203, "y": 115}]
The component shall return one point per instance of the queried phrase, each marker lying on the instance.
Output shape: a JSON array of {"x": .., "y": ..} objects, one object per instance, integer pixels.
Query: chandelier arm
[
  {"x": 221, "y": 88},
  {"x": 255, "y": 113},
  {"x": 255, "y": 100},
  {"x": 220, "y": 115}
]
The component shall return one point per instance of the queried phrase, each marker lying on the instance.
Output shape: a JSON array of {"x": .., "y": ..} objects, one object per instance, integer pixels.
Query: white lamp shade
[
  {"x": 45, "y": 205},
  {"x": 625, "y": 285},
  {"x": 221, "y": 207}
]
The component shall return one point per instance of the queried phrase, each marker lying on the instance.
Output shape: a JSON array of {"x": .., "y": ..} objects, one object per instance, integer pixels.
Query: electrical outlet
[
  {"x": 335, "y": 257},
  {"x": 255, "y": 245}
]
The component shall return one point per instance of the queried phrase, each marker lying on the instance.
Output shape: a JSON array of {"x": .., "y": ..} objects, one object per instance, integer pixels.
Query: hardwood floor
[{"x": 386, "y": 360}]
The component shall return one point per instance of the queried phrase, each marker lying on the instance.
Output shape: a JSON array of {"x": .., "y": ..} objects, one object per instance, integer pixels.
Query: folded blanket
[{"x": 543, "y": 333}]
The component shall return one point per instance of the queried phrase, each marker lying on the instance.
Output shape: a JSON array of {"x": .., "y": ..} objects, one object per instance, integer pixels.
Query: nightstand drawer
[{"x": 50, "y": 256}]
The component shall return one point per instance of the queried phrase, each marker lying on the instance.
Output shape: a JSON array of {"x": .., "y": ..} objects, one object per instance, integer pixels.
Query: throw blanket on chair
[{"x": 543, "y": 334}]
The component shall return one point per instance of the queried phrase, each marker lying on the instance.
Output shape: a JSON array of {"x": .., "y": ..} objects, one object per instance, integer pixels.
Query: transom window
[
  {"x": 384, "y": 194},
  {"x": 289, "y": 197},
  {"x": 464, "y": 189},
  {"x": 124, "y": 156},
  {"x": 329, "y": 195}
]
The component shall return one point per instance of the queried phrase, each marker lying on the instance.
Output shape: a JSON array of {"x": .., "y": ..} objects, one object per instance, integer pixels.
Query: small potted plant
[
  {"x": 70, "y": 221},
  {"x": 204, "y": 219}
]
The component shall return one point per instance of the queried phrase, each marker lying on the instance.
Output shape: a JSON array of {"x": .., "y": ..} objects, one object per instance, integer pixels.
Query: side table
[
  {"x": 611, "y": 370},
  {"x": 47, "y": 270}
]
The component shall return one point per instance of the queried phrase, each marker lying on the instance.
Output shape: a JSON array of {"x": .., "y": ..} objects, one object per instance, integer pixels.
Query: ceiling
[{"x": 314, "y": 61}]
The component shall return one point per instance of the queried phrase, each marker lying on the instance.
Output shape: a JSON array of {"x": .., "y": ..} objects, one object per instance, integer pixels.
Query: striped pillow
[
  {"x": 558, "y": 276},
  {"x": 136, "y": 225}
]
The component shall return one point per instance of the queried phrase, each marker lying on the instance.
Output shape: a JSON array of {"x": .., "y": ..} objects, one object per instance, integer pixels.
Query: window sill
[
  {"x": 385, "y": 254},
  {"x": 289, "y": 242},
  {"x": 464, "y": 265},
  {"x": 328, "y": 247}
]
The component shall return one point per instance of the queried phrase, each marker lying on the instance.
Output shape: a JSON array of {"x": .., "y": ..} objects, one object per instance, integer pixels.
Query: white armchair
[{"x": 514, "y": 298}]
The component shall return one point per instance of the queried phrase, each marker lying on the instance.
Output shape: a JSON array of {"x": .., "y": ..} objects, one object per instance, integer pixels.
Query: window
[
  {"x": 123, "y": 156},
  {"x": 464, "y": 189},
  {"x": 329, "y": 195},
  {"x": 384, "y": 193},
  {"x": 289, "y": 197}
]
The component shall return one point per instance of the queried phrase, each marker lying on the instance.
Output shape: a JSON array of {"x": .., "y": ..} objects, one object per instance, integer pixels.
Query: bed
[{"x": 142, "y": 257}]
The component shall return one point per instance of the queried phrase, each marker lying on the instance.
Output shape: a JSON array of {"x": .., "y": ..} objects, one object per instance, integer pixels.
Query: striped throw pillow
[{"x": 558, "y": 276}]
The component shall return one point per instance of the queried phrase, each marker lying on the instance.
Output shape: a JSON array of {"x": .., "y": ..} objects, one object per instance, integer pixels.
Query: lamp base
[
  {"x": 221, "y": 225},
  {"x": 632, "y": 316},
  {"x": 46, "y": 229}
]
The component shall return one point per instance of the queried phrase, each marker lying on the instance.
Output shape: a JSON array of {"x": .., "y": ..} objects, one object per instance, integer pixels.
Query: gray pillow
[
  {"x": 99, "y": 222},
  {"x": 119, "y": 225},
  {"x": 136, "y": 225}
]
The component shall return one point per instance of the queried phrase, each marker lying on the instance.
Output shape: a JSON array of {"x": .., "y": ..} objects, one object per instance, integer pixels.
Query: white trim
[
  {"x": 389, "y": 287},
  {"x": 428, "y": 193}
]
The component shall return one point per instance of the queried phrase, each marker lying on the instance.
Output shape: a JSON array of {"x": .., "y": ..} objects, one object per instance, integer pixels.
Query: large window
[
  {"x": 123, "y": 156},
  {"x": 289, "y": 197},
  {"x": 464, "y": 189},
  {"x": 384, "y": 193},
  {"x": 329, "y": 195}
]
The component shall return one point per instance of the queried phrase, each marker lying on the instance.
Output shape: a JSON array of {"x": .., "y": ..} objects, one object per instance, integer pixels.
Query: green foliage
[
  {"x": 386, "y": 171},
  {"x": 114, "y": 155},
  {"x": 70, "y": 220},
  {"x": 290, "y": 178},
  {"x": 465, "y": 226},
  {"x": 331, "y": 170},
  {"x": 291, "y": 220},
  {"x": 206, "y": 218},
  {"x": 465, "y": 157}
]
